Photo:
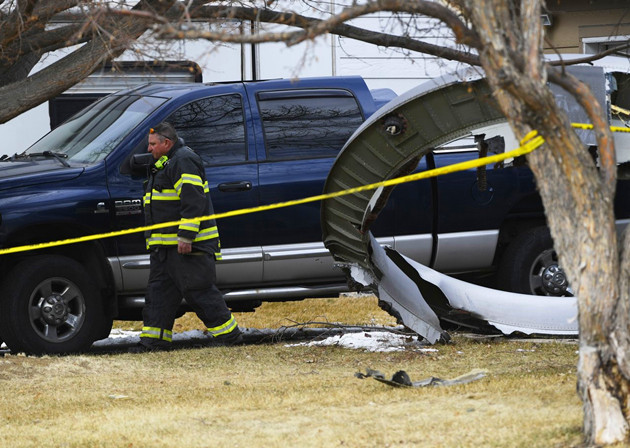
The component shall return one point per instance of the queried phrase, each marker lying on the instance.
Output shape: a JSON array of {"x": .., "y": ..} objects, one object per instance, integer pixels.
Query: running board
[{"x": 271, "y": 294}]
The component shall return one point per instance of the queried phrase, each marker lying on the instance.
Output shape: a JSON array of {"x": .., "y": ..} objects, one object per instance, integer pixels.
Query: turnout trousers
[{"x": 174, "y": 276}]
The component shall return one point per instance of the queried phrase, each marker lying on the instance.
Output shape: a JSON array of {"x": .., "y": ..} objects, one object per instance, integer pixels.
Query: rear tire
[
  {"x": 530, "y": 266},
  {"x": 50, "y": 305}
]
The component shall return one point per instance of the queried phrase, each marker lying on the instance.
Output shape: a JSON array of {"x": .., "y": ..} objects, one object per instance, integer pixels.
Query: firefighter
[{"x": 182, "y": 256}]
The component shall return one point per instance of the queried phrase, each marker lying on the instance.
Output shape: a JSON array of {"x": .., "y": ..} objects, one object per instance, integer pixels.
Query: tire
[
  {"x": 50, "y": 305},
  {"x": 530, "y": 266}
]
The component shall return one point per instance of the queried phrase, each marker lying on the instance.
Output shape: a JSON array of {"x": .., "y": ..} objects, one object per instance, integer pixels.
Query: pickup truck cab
[{"x": 261, "y": 142}]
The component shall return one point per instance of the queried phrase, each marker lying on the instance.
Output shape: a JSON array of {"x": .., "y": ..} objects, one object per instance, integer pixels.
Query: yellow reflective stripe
[
  {"x": 162, "y": 239},
  {"x": 170, "y": 239},
  {"x": 218, "y": 256},
  {"x": 164, "y": 195},
  {"x": 151, "y": 243},
  {"x": 225, "y": 328},
  {"x": 157, "y": 333},
  {"x": 207, "y": 234},
  {"x": 146, "y": 199},
  {"x": 191, "y": 179},
  {"x": 192, "y": 226}
]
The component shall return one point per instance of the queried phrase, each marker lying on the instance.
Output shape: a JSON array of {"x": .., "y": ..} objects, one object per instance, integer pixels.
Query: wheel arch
[
  {"x": 524, "y": 215},
  {"x": 91, "y": 254}
]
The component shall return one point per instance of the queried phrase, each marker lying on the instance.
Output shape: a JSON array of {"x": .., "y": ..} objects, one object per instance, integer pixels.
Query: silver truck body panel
[{"x": 451, "y": 247}]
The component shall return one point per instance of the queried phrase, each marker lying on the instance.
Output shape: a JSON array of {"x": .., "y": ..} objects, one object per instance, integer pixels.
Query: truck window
[
  {"x": 307, "y": 124},
  {"x": 92, "y": 134},
  {"x": 214, "y": 128}
]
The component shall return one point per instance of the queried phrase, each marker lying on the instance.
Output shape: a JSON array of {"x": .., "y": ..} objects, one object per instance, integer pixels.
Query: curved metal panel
[{"x": 430, "y": 115}]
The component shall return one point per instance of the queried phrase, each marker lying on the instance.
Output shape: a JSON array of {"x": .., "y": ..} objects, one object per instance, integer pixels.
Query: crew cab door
[
  {"x": 218, "y": 129},
  {"x": 471, "y": 206},
  {"x": 304, "y": 128}
]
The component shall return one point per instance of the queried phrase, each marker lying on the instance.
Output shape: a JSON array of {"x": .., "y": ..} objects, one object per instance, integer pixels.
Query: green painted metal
[{"x": 427, "y": 117}]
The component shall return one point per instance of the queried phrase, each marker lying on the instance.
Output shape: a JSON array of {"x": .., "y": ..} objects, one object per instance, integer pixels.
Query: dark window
[
  {"x": 307, "y": 124},
  {"x": 213, "y": 128},
  {"x": 113, "y": 77},
  {"x": 66, "y": 105}
]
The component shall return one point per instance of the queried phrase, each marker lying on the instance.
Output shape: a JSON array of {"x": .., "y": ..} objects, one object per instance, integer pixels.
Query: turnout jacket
[{"x": 180, "y": 190}]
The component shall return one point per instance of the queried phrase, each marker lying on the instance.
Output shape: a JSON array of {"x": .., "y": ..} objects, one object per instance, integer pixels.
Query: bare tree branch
[
  {"x": 314, "y": 27},
  {"x": 593, "y": 57},
  {"x": 22, "y": 95},
  {"x": 15, "y": 25},
  {"x": 170, "y": 29}
]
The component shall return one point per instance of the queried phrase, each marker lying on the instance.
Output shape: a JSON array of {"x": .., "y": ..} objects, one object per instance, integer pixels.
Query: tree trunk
[{"x": 578, "y": 200}]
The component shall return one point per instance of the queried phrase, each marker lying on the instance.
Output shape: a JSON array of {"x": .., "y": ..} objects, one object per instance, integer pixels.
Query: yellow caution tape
[
  {"x": 529, "y": 143},
  {"x": 590, "y": 126}
]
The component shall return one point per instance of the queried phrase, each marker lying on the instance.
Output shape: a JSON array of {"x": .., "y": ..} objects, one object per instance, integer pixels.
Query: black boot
[
  {"x": 234, "y": 337},
  {"x": 144, "y": 347}
]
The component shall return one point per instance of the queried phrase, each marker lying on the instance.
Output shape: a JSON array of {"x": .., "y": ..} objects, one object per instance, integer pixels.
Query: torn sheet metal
[
  {"x": 398, "y": 295},
  {"x": 401, "y": 378},
  {"x": 388, "y": 145},
  {"x": 421, "y": 297}
]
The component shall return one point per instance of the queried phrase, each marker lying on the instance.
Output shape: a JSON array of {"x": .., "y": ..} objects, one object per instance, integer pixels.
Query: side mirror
[{"x": 140, "y": 164}]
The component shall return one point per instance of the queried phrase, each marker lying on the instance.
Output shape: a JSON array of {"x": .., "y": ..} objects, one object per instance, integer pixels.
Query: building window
[
  {"x": 596, "y": 45},
  {"x": 117, "y": 76}
]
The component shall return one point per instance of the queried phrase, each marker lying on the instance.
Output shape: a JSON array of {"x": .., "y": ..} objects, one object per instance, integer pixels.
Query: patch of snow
[
  {"x": 374, "y": 341},
  {"x": 121, "y": 337},
  {"x": 371, "y": 341}
]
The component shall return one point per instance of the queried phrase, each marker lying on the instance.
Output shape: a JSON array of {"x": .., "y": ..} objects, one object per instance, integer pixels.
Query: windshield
[{"x": 93, "y": 133}]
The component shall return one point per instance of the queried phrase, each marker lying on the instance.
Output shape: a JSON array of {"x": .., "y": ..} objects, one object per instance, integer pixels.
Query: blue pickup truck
[{"x": 262, "y": 143}]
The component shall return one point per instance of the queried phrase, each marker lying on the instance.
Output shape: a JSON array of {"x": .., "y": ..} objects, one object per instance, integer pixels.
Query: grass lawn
[{"x": 273, "y": 395}]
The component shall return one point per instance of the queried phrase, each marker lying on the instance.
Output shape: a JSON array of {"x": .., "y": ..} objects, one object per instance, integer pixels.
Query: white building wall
[{"x": 323, "y": 56}]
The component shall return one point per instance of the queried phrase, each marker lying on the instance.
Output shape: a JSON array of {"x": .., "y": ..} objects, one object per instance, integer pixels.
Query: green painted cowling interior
[{"x": 389, "y": 145}]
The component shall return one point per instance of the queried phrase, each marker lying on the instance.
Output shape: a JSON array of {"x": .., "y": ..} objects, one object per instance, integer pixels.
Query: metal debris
[{"x": 401, "y": 378}]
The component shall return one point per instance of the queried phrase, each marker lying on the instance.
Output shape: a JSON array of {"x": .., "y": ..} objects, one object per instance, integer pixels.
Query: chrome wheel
[
  {"x": 530, "y": 266},
  {"x": 56, "y": 309},
  {"x": 547, "y": 278}
]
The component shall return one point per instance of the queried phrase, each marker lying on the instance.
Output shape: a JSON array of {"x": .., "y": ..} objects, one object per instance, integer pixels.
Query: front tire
[
  {"x": 530, "y": 266},
  {"x": 50, "y": 306}
]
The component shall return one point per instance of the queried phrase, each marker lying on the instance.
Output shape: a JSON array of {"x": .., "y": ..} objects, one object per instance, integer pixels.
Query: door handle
[
  {"x": 101, "y": 207},
  {"x": 243, "y": 185}
]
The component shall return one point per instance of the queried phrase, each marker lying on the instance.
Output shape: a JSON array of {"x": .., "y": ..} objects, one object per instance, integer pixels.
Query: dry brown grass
[
  {"x": 275, "y": 396},
  {"x": 347, "y": 310}
]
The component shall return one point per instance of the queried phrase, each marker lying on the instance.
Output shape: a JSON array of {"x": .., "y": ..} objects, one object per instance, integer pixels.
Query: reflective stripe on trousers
[
  {"x": 174, "y": 276},
  {"x": 157, "y": 333},
  {"x": 226, "y": 328}
]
